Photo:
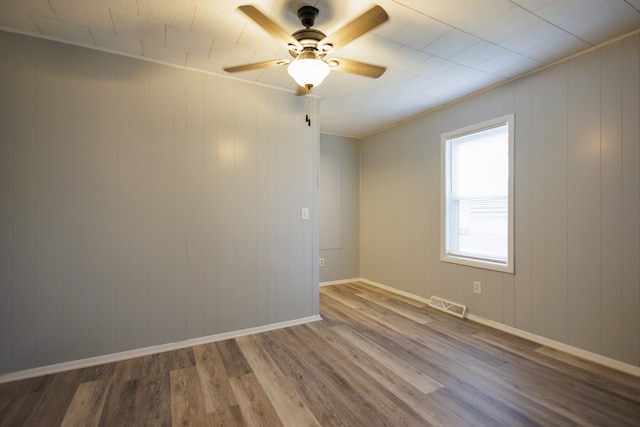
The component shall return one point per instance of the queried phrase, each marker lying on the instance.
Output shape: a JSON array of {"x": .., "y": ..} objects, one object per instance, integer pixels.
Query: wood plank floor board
[
  {"x": 391, "y": 317},
  {"x": 254, "y": 404},
  {"x": 120, "y": 404},
  {"x": 14, "y": 409},
  {"x": 127, "y": 370},
  {"x": 233, "y": 359},
  {"x": 376, "y": 359},
  {"x": 387, "y": 358},
  {"x": 219, "y": 399},
  {"x": 402, "y": 388},
  {"x": 607, "y": 378},
  {"x": 325, "y": 395},
  {"x": 525, "y": 366},
  {"x": 329, "y": 394},
  {"x": 87, "y": 404},
  {"x": 418, "y": 316},
  {"x": 495, "y": 377},
  {"x": 279, "y": 389},
  {"x": 383, "y": 293},
  {"x": 55, "y": 398},
  {"x": 452, "y": 375},
  {"x": 17, "y": 399},
  {"x": 347, "y": 299},
  {"x": 187, "y": 402},
  {"x": 431, "y": 343},
  {"x": 393, "y": 411},
  {"x": 154, "y": 393},
  {"x": 338, "y": 373},
  {"x": 413, "y": 311},
  {"x": 463, "y": 368}
]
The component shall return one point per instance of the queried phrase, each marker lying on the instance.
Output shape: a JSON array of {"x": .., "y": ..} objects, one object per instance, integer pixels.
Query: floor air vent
[{"x": 448, "y": 306}]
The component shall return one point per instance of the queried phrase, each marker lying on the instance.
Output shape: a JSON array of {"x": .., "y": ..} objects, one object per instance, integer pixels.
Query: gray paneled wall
[
  {"x": 577, "y": 204},
  {"x": 339, "y": 201},
  {"x": 142, "y": 204}
]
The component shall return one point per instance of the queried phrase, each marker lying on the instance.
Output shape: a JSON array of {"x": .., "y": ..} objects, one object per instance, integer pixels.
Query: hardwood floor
[{"x": 376, "y": 359}]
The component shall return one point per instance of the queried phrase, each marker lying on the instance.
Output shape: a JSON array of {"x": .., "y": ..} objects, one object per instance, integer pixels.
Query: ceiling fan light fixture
[{"x": 307, "y": 70}]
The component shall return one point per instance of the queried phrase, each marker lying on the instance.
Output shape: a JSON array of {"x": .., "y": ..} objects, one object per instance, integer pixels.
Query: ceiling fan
[{"x": 309, "y": 47}]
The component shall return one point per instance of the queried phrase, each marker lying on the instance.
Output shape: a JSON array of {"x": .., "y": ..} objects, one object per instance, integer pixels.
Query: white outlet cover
[{"x": 477, "y": 287}]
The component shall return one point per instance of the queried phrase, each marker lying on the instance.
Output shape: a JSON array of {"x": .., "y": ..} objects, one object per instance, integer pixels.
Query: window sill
[{"x": 486, "y": 265}]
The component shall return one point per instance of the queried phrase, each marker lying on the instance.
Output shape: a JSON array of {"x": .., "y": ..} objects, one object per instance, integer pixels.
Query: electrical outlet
[
  {"x": 321, "y": 262},
  {"x": 477, "y": 287}
]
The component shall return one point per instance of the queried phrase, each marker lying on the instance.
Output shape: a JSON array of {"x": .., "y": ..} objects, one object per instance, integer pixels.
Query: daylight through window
[{"x": 477, "y": 195}]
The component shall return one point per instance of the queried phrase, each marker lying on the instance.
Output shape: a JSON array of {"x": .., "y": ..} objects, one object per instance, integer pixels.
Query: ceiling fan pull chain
[{"x": 307, "y": 118}]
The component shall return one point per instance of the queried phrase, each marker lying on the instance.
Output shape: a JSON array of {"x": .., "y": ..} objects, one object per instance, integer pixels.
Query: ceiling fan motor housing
[{"x": 309, "y": 37}]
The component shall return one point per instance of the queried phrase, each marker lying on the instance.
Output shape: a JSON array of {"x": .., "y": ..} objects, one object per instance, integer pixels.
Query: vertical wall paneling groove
[
  {"x": 295, "y": 225},
  {"x": 422, "y": 243},
  {"x": 107, "y": 203},
  {"x": 509, "y": 308},
  {"x": 577, "y": 203},
  {"x": 80, "y": 151},
  {"x": 143, "y": 204},
  {"x": 245, "y": 210},
  {"x": 49, "y": 304},
  {"x": 226, "y": 206},
  {"x": 269, "y": 161},
  {"x": 195, "y": 204},
  {"x": 140, "y": 151},
  {"x": 7, "y": 47},
  {"x": 538, "y": 205},
  {"x": 23, "y": 245},
  {"x": 631, "y": 200},
  {"x": 583, "y": 195},
  {"x": 292, "y": 216},
  {"x": 283, "y": 218},
  {"x": 179, "y": 206},
  {"x": 123, "y": 204},
  {"x": 161, "y": 204},
  {"x": 274, "y": 269},
  {"x": 611, "y": 203},
  {"x": 556, "y": 203},
  {"x": 262, "y": 216},
  {"x": 211, "y": 232},
  {"x": 522, "y": 202}
]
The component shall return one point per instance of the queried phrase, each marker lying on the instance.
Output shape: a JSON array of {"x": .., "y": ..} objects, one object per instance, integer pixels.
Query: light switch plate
[{"x": 304, "y": 214}]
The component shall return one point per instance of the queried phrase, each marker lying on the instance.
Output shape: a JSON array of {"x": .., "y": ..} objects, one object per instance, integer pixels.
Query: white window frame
[{"x": 445, "y": 256}]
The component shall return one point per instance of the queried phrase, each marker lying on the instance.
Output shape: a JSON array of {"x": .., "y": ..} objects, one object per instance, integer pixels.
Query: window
[{"x": 477, "y": 195}]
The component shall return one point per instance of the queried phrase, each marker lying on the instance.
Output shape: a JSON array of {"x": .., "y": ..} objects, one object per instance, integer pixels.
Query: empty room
[{"x": 319, "y": 212}]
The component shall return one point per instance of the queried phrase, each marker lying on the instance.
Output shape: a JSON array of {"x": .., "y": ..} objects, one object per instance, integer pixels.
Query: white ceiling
[{"x": 435, "y": 51}]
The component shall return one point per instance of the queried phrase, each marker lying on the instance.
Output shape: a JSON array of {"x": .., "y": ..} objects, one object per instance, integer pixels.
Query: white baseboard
[
  {"x": 338, "y": 282},
  {"x": 575, "y": 351},
  {"x": 129, "y": 354}
]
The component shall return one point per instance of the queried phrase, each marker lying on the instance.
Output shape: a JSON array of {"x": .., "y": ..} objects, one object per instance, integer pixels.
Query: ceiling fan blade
[
  {"x": 357, "y": 27},
  {"x": 256, "y": 65},
  {"x": 355, "y": 67},
  {"x": 269, "y": 26}
]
